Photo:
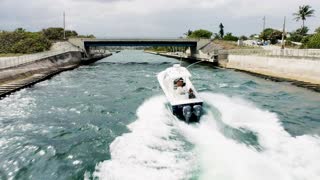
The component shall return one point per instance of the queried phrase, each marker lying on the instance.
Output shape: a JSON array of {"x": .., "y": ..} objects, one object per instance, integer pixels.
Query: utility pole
[
  {"x": 283, "y": 33},
  {"x": 264, "y": 23},
  {"x": 64, "y": 25}
]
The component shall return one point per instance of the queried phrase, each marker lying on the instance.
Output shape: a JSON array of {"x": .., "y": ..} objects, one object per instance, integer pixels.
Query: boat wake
[
  {"x": 234, "y": 140},
  {"x": 153, "y": 149}
]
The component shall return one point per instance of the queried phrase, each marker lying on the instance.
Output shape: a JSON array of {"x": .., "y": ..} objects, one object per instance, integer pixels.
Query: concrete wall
[
  {"x": 78, "y": 42},
  {"x": 44, "y": 65},
  {"x": 301, "y": 69}
]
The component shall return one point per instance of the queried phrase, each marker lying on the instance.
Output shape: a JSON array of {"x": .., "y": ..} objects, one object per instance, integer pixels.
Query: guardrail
[
  {"x": 7, "y": 62},
  {"x": 309, "y": 53}
]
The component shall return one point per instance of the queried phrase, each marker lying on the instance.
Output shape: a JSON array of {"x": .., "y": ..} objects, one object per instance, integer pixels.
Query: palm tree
[
  {"x": 188, "y": 33},
  {"x": 303, "y": 12},
  {"x": 221, "y": 32}
]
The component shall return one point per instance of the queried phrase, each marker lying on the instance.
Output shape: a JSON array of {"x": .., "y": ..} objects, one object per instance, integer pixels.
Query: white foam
[
  {"x": 282, "y": 156},
  {"x": 17, "y": 105},
  {"x": 150, "y": 151}
]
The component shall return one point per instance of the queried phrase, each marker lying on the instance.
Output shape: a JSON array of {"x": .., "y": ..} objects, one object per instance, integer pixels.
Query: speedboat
[{"x": 183, "y": 98}]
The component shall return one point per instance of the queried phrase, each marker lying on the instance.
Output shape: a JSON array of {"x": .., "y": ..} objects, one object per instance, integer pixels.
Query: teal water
[{"x": 110, "y": 120}]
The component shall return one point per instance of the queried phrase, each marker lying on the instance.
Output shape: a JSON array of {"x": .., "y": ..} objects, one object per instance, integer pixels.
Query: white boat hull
[{"x": 185, "y": 108}]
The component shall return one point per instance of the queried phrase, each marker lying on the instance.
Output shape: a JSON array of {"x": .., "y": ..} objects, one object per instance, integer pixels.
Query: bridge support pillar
[
  {"x": 87, "y": 51},
  {"x": 193, "y": 51}
]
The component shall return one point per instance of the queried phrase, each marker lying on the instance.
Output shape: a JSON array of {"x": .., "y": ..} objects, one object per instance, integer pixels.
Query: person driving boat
[{"x": 180, "y": 85}]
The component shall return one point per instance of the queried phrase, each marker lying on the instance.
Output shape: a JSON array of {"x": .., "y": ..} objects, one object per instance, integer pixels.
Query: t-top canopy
[{"x": 177, "y": 72}]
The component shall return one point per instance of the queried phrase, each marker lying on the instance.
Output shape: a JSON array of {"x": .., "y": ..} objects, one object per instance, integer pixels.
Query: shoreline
[
  {"x": 302, "y": 84},
  {"x": 224, "y": 64},
  {"x": 26, "y": 75}
]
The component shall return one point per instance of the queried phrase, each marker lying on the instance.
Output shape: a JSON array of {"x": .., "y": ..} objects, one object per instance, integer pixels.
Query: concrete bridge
[{"x": 86, "y": 44}]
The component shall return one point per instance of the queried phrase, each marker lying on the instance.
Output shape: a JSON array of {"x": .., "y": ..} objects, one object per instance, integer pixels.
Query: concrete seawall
[
  {"x": 299, "y": 69},
  {"x": 16, "y": 78},
  {"x": 24, "y": 75},
  {"x": 183, "y": 57},
  {"x": 41, "y": 65}
]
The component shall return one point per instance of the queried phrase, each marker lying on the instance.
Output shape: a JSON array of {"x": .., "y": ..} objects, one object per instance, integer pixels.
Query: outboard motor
[
  {"x": 187, "y": 113},
  {"x": 197, "y": 109}
]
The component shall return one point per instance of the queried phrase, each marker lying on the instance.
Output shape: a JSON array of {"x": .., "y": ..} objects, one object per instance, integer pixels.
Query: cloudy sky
[{"x": 153, "y": 18}]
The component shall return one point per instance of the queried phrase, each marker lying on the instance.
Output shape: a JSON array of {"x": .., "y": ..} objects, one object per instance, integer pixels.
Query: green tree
[
  {"x": 298, "y": 34},
  {"x": 271, "y": 34},
  {"x": 221, "y": 31},
  {"x": 188, "y": 33},
  {"x": 295, "y": 37},
  {"x": 302, "y": 31},
  {"x": 314, "y": 41},
  {"x": 275, "y": 36},
  {"x": 201, "y": 33},
  {"x": 317, "y": 30},
  {"x": 266, "y": 33},
  {"x": 243, "y": 37},
  {"x": 303, "y": 13}
]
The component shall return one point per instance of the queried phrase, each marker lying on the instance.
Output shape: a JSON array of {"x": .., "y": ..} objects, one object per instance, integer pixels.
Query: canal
[{"x": 109, "y": 120}]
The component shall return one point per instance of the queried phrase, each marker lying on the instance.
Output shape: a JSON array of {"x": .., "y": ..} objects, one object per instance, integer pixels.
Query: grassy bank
[
  {"x": 21, "y": 41},
  {"x": 10, "y": 54}
]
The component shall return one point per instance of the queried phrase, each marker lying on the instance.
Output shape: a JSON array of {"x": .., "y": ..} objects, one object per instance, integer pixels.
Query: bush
[
  {"x": 216, "y": 36},
  {"x": 86, "y": 36},
  {"x": 314, "y": 41},
  {"x": 56, "y": 33},
  {"x": 35, "y": 42},
  {"x": 305, "y": 39},
  {"x": 53, "y": 33},
  {"x": 230, "y": 37},
  {"x": 201, "y": 33},
  {"x": 21, "y": 41}
]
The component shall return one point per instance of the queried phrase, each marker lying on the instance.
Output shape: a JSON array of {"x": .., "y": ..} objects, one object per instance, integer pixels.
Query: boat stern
[{"x": 188, "y": 112}]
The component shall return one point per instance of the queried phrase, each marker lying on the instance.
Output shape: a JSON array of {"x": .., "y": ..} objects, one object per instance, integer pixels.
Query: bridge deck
[{"x": 140, "y": 42}]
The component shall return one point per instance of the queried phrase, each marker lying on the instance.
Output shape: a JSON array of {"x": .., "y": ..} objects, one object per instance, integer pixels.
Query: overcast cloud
[{"x": 153, "y": 18}]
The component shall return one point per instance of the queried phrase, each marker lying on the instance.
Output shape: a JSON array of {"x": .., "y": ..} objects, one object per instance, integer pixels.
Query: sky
[{"x": 153, "y": 18}]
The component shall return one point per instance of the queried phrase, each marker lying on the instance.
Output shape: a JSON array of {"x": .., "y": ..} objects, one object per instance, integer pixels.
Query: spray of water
[
  {"x": 151, "y": 151},
  {"x": 156, "y": 146}
]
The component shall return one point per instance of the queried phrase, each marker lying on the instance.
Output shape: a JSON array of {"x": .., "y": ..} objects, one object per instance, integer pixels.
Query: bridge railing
[
  {"x": 7, "y": 62},
  {"x": 302, "y": 53}
]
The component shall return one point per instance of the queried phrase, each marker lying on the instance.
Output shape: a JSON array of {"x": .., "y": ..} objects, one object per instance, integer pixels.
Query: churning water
[{"x": 110, "y": 120}]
